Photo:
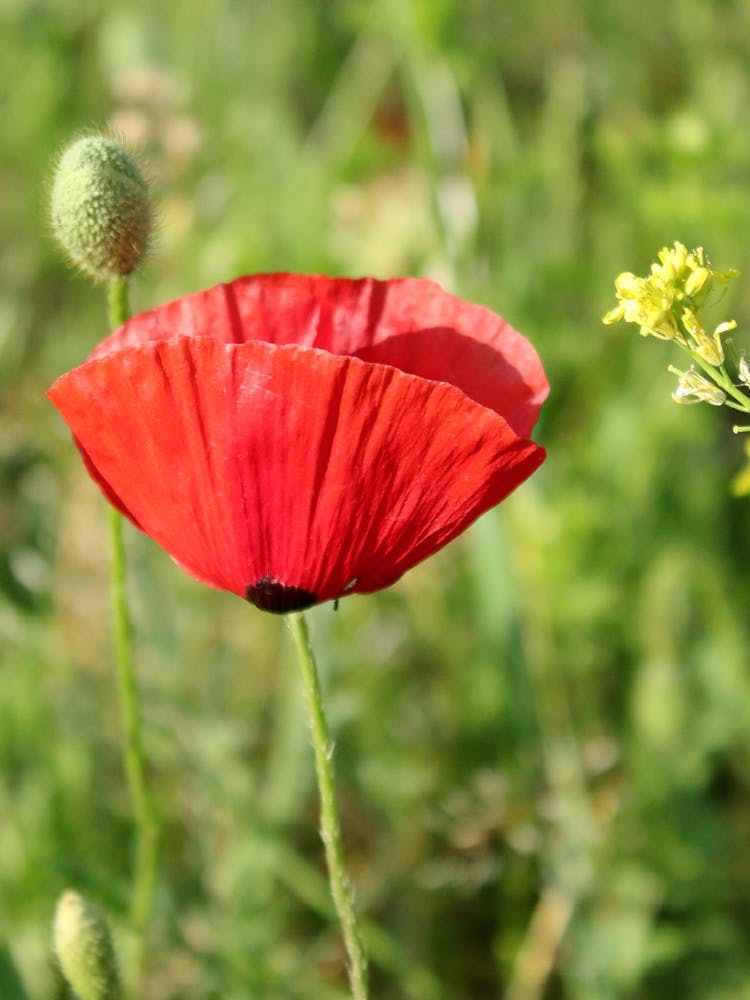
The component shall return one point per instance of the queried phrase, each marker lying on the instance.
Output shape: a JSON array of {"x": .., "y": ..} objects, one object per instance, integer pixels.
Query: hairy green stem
[
  {"x": 118, "y": 307},
  {"x": 330, "y": 827},
  {"x": 144, "y": 874}
]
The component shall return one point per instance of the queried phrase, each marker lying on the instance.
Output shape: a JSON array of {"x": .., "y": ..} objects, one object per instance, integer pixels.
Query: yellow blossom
[{"x": 666, "y": 303}]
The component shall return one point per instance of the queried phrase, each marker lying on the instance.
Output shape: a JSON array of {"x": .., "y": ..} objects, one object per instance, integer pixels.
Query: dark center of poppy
[{"x": 270, "y": 595}]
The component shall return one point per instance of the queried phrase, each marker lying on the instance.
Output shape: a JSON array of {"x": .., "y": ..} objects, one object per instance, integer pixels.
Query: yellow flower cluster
[{"x": 667, "y": 303}]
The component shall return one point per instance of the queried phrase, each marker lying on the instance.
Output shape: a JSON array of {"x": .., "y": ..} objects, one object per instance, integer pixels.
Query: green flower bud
[
  {"x": 100, "y": 208},
  {"x": 83, "y": 948}
]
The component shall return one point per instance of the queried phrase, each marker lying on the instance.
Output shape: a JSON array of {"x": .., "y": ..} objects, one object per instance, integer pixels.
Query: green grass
[{"x": 549, "y": 720}]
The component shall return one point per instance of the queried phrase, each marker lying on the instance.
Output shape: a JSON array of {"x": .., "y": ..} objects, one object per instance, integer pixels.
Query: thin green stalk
[
  {"x": 118, "y": 308},
  {"x": 330, "y": 827},
  {"x": 144, "y": 874}
]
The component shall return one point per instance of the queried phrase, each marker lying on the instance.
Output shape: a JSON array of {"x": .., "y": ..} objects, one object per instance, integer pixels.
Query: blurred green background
[{"x": 543, "y": 733}]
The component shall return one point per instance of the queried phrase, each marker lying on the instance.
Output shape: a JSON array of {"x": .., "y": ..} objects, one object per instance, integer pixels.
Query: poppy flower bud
[
  {"x": 83, "y": 948},
  {"x": 100, "y": 208}
]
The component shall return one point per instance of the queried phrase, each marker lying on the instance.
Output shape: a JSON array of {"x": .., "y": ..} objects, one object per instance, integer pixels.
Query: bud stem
[
  {"x": 118, "y": 307},
  {"x": 135, "y": 767},
  {"x": 330, "y": 826}
]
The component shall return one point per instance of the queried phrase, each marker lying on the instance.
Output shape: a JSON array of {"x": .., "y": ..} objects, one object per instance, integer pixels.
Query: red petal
[
  {"x": 410, "y": 323},
  {"x": 255, "y": 462}
]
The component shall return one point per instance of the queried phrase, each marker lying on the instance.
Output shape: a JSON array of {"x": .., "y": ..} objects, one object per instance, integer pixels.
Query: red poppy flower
[{"x": 293, "y": 439}]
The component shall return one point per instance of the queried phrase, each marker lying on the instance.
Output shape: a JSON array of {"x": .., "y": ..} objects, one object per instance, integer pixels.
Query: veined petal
[
  {"x": 263, "y": 468},
  {"x": 409, "y": 323}
]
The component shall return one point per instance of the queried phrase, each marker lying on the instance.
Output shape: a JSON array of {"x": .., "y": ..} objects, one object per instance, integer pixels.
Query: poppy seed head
[{"x": 100, "y": 208}]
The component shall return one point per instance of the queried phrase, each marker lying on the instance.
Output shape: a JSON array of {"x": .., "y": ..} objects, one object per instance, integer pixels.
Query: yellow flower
[
  {"x": 644, "y": 301},
  {"x": 667, "y": 302}
]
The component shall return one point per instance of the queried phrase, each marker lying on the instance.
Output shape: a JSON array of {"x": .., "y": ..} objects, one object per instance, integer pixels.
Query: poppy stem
[
  {"x": 135, "y": 766},
  {"x": 118, "y": 306},
  {"x": 330, "y": 826}
]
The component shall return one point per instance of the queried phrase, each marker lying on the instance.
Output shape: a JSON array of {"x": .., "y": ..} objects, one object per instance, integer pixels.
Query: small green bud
[
  {"x": 100, "y": 208},
  {"x": 83, "y": 948}
]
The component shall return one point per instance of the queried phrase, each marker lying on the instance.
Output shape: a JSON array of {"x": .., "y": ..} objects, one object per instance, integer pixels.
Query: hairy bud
[
  {"x": 83, "y": 948},
  {"x": 100, "y": 208}
]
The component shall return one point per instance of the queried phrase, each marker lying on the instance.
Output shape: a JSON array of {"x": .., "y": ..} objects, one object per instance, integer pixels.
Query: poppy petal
[
  {"x": 410, "y": 323},
  {"x": 284, "y": 473}
]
